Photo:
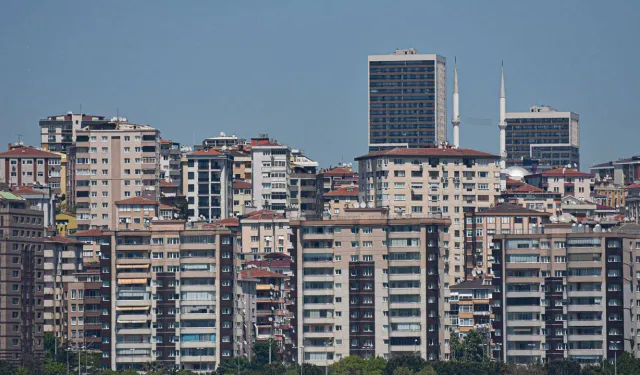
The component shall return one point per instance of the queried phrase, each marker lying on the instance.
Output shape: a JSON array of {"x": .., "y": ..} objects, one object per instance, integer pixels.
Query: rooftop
[
  {"x": 206, "y": 151},
  {"x": 229, "y": 222},
  {"x": 138, "y": 200},
  {"x": 508, "y": 209},
  {"x": 429, "y": 152},
  {"x": 339, "y": 171},
  {"x": 568, "y": 172},
  {"x": 28, "y": 190},
  {"x": 89, "y": 233},
  {"x": 264, "y": 215},
  {"x": 471, "y": 284},
  {"x": 343, "y": 191},
  {"x": 241, "y": 185},
  {"x": 27, "y": 151},
  {"x": 60, "y": 239},
  {"x": 254, "y": 272}
]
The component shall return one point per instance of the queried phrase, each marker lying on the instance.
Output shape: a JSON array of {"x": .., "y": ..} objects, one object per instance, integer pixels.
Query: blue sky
[{"x": 298, "y": 69}]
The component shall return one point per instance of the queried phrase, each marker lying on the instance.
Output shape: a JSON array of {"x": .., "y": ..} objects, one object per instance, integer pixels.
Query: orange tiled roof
[
  {"x": 241, "y": 185},
  {"x": 344, "y": 191},
  {"x": 89, "y": 233},
  {"x": 569, "y": 172},
  {"x": 339, "y": 171},
  {"x": 208, "y": 151},
  {"x": 229, "y": 222},
  {"x": 26, "y": 151},
  {"x": 264, "y": 214},
  {"x": 254, "y": 272},
  {"x": 61, "y": 239}
]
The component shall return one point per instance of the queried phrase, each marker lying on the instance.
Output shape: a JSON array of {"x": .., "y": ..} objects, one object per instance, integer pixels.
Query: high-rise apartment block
[
  {"x": 445, "y": 181},
  {"x": 114, "y": 161},
  {"x": 302, "y": 183},
  {"x": 58, "y": 133},
  {"x": 264, "y": 232},
  {"x": 271, "y": 167},
  {"x": 368, "y": 284},
  {"x": 170, "y": 161},
  {"x": 407, "y": 100},
  {"x": 21, "y": 277},
  {"x": 549, "y": 137},
  {"x": 62, "y": 260},
  {"x": 169, "y": 291},
  {"x": 565, "y": 292},
  {"x": 209, "y": 188},
  {"x": 28, "y": 166}
]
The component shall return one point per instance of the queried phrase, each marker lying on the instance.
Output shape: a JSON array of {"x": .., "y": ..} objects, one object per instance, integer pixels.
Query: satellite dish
[
  {"x": 363, "y": 205},
  {"x": 270, "y": 319},
  {"x": 224, "y": 148},
  {"x": 222, "y": 134},
  {"x": 355, "y": 205},
  {"x": 474, "y": 273},
  {"x": 370, "y": 204}
]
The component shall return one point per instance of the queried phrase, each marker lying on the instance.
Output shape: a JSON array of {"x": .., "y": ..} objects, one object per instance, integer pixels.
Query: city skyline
[{"x": 316, "y": 64}]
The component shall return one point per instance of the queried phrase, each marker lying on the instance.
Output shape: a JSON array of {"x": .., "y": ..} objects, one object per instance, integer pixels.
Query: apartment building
[
  {"x": 82, "y": 310},
  {"x": 550, "y": 137},
  {"x": 336, "y": 201},
  {"x": 245, "y": 317},
  {"x": 264, "y": 232},
  {"x": 271, "y": 166},
  {"x": 470, "y": 308},
  {"x": 302, "y": 183},
  {"x": 609, "y": 194},
  {"x": 209, "y": 189},
  {"x": 446, "y": 181},
  {"x": 533, "y": 198},
  {"x": 564, "y": 181},
  {"x": 170, "y": 156},
  {"x": 331, "y": 179},
  {"x": 171, "y": 193},
  {"x": 136, "y": 213},
  {"x": 41, "y": 199},
  {"x": 242, "y": 198},
  {"x": 623, "y": 171},
  {"x": 241, "y": 162},
  {"x": 21, "y": 278},
  {"x": 481, "y": 226},
  {"x": 633, "y": 202},
  {"x": 565, "y": 292},
  {"x": 28, "y": 166},
  {"x": 407, "y": 100},
  {"x": 58, "y": 133},
  {"x": 114, "y": 161},
  {"x": 172, "y": 292},
  {"x": 368, "y": 283},
  {"x": 92, "y": 239},
  {"x": 62, "y": 260}
]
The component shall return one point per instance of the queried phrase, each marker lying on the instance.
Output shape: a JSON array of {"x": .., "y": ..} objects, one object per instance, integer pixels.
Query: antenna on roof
[{"x": 19, "y": 137}]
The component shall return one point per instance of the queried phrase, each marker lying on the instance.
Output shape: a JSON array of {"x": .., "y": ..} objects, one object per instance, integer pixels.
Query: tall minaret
[
  {"x": 455, "y": 120},
  {"x": 503, "y": 123}
]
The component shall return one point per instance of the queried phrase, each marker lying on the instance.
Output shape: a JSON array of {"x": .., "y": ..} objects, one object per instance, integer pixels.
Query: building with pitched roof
[
  {"x": 136, "y": 213},
  {"x": 564, "y": 181},
  {"x": 29, "y": 166},
  {"x": 336, "y": 201},
  {"x": 446, "y": 181},
  {"x": 264, "y": 232},
  {"x": 331, "y": 179},
  {"x": 242, "y": 198}
]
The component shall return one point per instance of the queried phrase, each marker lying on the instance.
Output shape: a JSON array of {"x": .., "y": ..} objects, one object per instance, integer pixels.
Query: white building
[
  {"x": 209, "y": 185},
  {"x": 271, "y": 166}
]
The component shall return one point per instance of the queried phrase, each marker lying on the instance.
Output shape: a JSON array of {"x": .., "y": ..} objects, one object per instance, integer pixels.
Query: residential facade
[
  {"x": 271, "y": 166},
  {"x": 242, "y": 197},
  {"x": 481, "y": 226},
  {"x": 209, "y": 189},
  {"x": 550, "y": 137},
  {"x": 302, "y": 183},
  {"x": 563, "y": 292},
  {"x": 564, "y": 181},
  {"x": 470, "y": 308},
  {"x": 623, "y": 171},
  {"x": 264, "y": 232},
  {"x": 331, "y": 179},
  {"x": 368, "y": 284},
  {"x": 21, "y": 278},
  {"x": 58, "y": 133},
  {"x": 407, "y": 100},
  {"x": 136, "y": 213},
  {"x": 170, "y": 156},
  {"x": 172, "y": 291},
  {"x": 337, "y": 201},
  {"x": 62, "y": 260},
  {"x": 28, "y": 166},
  {"x": 445, "y": 181},
  {"x": 114, "y": 161}
]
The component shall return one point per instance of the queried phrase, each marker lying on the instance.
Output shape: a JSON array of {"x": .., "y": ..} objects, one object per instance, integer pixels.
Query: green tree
[
  {"x": 54, "y": 368},
  {"x": 403, "y": 371},
  {"x": 427, "y": 370},
  {"x": 261, "y": 353},
  {"x": 626, "y": 364},
  {"x": 474, "y": 345},
  {"x": 352, "y": 365},
  {"x": 231, "y": 365},
  {"x": 22, "y": 371},
  {"x": 563, "y": 368},
  {"x": 455, "y": 345},
  {"x": 6, "y": 368},
  {"x": 412, "y": 362}
]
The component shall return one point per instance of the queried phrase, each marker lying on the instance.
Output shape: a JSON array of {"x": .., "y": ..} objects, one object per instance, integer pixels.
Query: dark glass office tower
[{"x": 407, "y": 100}]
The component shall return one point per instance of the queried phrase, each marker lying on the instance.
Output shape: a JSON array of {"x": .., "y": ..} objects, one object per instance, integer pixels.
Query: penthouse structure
[
  {"x": 367, "y": 283},
  {"x": 564, "y": 181},
  {"x": 407, "y": 100},
  {"x": 565, "y": 292},
  {"x": 114, "y": 161},
  {"x": 445, "y": 181},
  {"x": 58, "y": 133},
  {"x": 21, "y": 277}
]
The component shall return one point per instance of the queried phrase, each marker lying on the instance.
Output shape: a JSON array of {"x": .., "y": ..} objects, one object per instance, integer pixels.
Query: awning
[
  {"x": 132, "y": 308},
  {"x": 123, "y": 319},
  {"x": 131, "y": 281},
  {"x": 120, "y": 266},
  {"x": 264, "y": 287}
]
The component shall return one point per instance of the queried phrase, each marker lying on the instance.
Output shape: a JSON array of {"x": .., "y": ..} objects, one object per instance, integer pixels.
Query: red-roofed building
[
  {"x": 242, "y": 198},
  {"x": 331, "y": 179},
  {"x": 533, "y": 198},
  {"x": 337, "y": 200},
  {"x": 264, "y": 232},
  {"x": 28, "y": 166},
  {"x": 564, "y": 181}
]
